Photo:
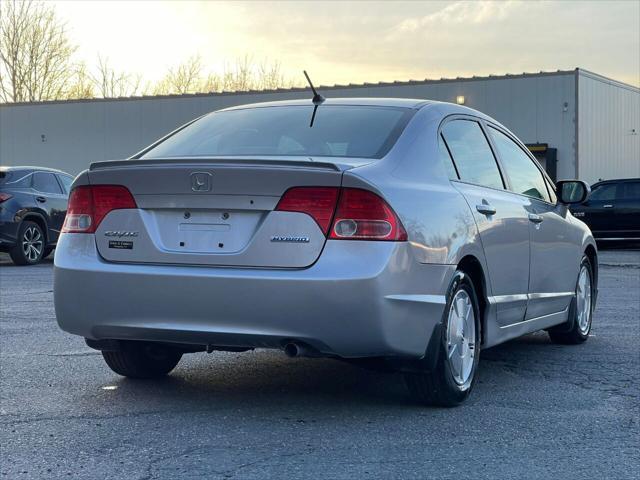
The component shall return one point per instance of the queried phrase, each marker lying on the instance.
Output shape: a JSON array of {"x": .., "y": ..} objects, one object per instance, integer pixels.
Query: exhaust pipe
[{"x": 293, "y": 349}]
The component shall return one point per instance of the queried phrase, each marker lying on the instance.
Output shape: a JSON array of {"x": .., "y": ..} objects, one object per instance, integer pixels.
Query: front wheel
[
  {"x": 577, "y": 329},
  {"x": 142, "y": 360},
  {"x": 450, "y": 382}
]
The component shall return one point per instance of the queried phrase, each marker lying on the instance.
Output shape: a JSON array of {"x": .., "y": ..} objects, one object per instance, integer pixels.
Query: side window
[
  {"x": 46, "y": 183},
  {"x": 631, "y": 191},
  {"x": 524, "y": 175},
  {"x": 471, "y": 153},
  {"x": 66, "y": 182},
  {"x": 446, "y": 159},
  {"x": 604, "y": 193}
]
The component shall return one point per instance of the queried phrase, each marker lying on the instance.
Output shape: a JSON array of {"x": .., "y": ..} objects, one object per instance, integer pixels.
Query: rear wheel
[
  {"x": 577, "y": 329},
  {"x": 30, "y": 246},
  {"x": 142, "y": 360},
  {"x": 450, "y": 382}
]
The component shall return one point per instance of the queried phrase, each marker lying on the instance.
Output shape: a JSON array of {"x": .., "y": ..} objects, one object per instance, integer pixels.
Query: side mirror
[{"x": 571, "y": 192}]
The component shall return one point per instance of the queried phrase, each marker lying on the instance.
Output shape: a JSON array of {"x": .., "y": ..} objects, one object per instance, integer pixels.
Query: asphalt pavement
[{"x": 538, "y": 411}]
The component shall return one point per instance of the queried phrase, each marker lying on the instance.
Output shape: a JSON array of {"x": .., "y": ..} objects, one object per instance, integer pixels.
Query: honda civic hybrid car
[{"x": 400, "y": 232}]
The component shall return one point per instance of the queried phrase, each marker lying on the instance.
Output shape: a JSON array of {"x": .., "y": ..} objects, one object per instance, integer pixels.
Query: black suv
[
  {"x": 33, "y": 204},
  {"x": 612, "y": 210}
]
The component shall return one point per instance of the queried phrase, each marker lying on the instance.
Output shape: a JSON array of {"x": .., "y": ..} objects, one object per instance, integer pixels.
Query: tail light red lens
[
  {"x": 345, "y": 213},
  {"x": 363, "y": 215},
  {"x": 318, "y": 202},
  {"x": 89, "y": 204},
  {"x": 4, "y": 197}
]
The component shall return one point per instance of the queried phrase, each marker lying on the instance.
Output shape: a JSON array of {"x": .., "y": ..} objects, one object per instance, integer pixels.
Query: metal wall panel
[
  {"x": 609, "y": 129},
  {"x": 78, "y": 133}
]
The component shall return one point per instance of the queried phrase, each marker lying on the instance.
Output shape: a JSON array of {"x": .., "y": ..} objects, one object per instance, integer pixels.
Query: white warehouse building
[{"x": 579, "y": 124}]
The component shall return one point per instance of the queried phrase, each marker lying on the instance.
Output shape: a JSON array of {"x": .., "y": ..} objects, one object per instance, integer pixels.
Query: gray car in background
[{"x": 403, "y": 233}]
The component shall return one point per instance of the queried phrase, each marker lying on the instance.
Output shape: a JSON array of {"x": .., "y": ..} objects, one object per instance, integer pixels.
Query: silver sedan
[{"x": 402, "y": 233}]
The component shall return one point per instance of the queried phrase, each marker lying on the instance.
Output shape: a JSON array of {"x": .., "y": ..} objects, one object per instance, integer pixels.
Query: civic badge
[{"x": 201, "y": 181}]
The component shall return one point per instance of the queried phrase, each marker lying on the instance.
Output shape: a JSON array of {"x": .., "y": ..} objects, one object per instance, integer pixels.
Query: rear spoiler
[{"x": 226, "y": 161}]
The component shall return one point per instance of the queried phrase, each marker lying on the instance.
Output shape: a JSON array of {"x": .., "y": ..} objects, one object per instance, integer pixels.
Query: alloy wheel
[
  {"x": 461, "y": 338},
  {"x": 583, "y": 300},
  {"x": 32, "y": 243}
]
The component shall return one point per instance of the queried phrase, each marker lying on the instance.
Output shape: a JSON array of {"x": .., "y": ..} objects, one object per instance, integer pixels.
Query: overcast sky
[{"x": 364, "y": 41}]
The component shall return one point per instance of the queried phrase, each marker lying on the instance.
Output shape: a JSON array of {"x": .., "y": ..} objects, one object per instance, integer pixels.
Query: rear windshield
[
  {"x": 337, "y": 131},
  {"x": 12, "y": 176}
]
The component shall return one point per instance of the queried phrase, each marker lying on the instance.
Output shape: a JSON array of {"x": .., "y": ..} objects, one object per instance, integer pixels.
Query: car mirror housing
[{"x": 572, "y": 192}]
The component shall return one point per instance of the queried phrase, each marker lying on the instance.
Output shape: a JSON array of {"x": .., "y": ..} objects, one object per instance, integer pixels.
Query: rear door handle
[
  {"x": 607, "y": 206},
  {"x": 41, "y": 199},
  {"x": 485, "y": 209},
  {"x": 535, "y": 218}
]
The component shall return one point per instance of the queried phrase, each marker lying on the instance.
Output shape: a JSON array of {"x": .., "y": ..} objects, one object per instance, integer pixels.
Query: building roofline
[
  {"x": 425, "y": 81},
  {"x": 610, "y": 81}
]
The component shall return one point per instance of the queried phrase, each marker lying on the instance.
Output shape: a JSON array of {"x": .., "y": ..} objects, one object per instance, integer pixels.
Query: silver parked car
[{"x": 403, "y": 232}]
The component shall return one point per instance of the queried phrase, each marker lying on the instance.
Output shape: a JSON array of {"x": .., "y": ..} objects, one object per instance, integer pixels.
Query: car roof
[
  {"x": 616, "y": 180},
  {"x": 34, "y": 169},
  {"x": 413, "y": 103}
]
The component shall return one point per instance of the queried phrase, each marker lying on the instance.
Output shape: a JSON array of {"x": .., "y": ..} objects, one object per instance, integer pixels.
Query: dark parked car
[
  {"x": 612, "y": 210},
  {"x": 33, "y": 204}
]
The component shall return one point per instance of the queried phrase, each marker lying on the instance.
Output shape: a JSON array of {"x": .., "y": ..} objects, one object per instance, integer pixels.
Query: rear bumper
[{"x": 359, "y": 299}]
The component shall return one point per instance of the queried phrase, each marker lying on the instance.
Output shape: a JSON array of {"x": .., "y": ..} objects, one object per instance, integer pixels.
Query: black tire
[
  {"x": 437, "y": 386},
  {"x": 142, "y": 360},
  {"x": 18, "y": 254},
  {"x": 570, "y": 333}
]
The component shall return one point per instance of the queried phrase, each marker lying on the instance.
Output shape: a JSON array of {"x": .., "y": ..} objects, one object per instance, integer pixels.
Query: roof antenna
[{"x": 317, "y": 99}]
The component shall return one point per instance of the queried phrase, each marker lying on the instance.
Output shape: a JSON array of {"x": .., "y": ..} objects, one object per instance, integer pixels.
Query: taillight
[
  {"x": 363, "y": 215},
  {"x": 88, "y": 205},
  {"x": 345, "y": 213},
  {"x": 4, "y": 197},
  {"x": 318, "y": 202}
]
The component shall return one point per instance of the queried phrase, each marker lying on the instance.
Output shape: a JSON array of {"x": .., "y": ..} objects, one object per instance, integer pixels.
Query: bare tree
[
  {"x": 35, "y": 53},
  {"x": 81, "y": 85},
  {"x": 243, "y": 75},
  {"x": 185, "y": 78},
  {"x": 111, "y": 83}
]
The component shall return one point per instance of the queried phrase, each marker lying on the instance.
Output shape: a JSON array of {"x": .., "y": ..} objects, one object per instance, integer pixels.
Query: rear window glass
[
  {"x": 13, "y": 177},
  {"x": 337, "y": 131}
]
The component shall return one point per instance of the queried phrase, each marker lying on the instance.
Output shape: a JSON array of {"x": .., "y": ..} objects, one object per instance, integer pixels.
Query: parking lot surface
[{"x": 538, "y": 411}]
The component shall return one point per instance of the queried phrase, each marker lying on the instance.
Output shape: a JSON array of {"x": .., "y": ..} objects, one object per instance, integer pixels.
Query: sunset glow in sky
[{"x": 363, "y": 41}]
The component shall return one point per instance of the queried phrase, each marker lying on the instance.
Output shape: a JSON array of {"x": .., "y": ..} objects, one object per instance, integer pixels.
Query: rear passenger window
[
  {"x": 524, "y": 176},
  {"x": 631, "y": 191},
  {"x": 446, "y": 160},
  {"x": 46, "y": 183},
  {"x": 471, "y": 153}
]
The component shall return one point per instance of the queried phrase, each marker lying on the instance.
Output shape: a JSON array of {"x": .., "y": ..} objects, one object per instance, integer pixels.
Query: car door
[
  {"x": 627, "y": 210},
  {"x": 52, "y": 200},
  {"x": 554, "y": 249},
  {"x": 500, "y": 216},
  {"x": 599, "y": 212}
]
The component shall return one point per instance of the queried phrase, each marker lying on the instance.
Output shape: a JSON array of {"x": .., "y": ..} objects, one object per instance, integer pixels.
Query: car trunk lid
[{"x": 212, "y": 213}]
